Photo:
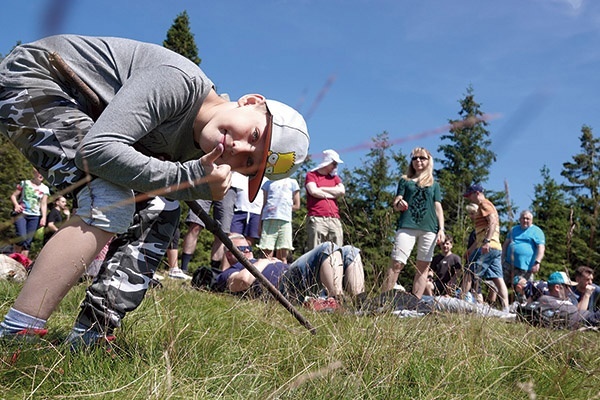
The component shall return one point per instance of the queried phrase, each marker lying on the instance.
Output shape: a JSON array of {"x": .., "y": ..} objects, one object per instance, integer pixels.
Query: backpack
[
  {"x": 536, "y": 315},
  {"x": 204, "y": 278}
]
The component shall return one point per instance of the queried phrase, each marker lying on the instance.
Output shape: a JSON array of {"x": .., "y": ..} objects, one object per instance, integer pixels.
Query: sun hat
[
  {"x": 473, "y": 188},
  {"x": 560, "y": 278},
  {"x": 329, "y": 156},
  {"x": 287, "y": 139}
]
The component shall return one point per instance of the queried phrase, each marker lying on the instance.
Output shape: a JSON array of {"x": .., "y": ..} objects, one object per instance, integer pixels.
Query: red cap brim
[{"x": 255, "y": 182}]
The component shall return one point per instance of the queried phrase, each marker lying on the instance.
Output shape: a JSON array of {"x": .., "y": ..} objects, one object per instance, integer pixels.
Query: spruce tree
[
  {"x": 583, "y": 186},
  {"x": 551, "y": 213},
  {"x": 466, "y": 160},
  {"x": 180, "y": 39}
]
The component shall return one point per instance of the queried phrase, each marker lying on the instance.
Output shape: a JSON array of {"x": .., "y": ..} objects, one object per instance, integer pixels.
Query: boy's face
[
  {"x": 241, "y": 131},
  {"x": 447, "y": 247}
]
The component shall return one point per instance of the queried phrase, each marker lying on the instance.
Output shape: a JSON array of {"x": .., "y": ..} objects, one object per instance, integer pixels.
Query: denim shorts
[
  {"x": 489, "y": 266},
  {"x": 106, "y": 206}
]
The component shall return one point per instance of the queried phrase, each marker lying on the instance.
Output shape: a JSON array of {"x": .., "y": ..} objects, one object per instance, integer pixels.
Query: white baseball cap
[
  {"x": 329, "y": 156},
  {"x": 287, "y": 139}
]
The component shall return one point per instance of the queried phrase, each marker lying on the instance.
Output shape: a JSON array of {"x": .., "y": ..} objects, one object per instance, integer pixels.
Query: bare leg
[
  {"x": 502, "y": 292},
  {"x": 391, "y": 276},
  {"x": 355, "y": 277},
  {"x": 217, "y": 251},
  {"x": 420, "y": 279},
  {"x": 331, "y": 274},
  {"x": 58, "y": 267},
  {"x": 282, "y": 254},
  {"x": 191, "y": 238},
  {"x": 172, "y": 255}
]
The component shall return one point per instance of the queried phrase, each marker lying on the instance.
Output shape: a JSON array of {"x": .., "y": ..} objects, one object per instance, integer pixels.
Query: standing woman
[
  {"x": 418, "y": 198},
  {"x": 30, "y": 203}
]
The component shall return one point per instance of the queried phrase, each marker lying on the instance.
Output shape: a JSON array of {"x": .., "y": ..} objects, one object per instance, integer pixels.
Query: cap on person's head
[
  {"x": 516, "y": 280},
  {"x": 560, "y": 278},
  {"x": 472, "y": 189},
  {"x": 329, "y": 156},
  {"x": 287, "y": 139}
]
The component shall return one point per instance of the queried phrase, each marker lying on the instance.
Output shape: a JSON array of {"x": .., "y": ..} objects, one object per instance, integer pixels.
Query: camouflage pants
[
  {"x": 130, "y": 262},
  {"x": 46, "y": 126}
]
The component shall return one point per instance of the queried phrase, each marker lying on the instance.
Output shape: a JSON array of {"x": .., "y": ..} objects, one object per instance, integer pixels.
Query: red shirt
[{"x": 322, "y": 207}]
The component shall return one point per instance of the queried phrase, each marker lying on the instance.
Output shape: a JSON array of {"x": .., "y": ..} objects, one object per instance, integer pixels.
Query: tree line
[{"x": 567, "y": 212}]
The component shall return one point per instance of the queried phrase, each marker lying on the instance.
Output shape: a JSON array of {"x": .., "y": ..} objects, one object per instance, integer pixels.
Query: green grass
[{"x": 185, "y": 344}]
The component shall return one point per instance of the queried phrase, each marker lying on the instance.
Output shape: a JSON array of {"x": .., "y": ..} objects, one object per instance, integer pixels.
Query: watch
[
  {"x": 486, "y": 241},
  {"x": 536, "y": 262}
]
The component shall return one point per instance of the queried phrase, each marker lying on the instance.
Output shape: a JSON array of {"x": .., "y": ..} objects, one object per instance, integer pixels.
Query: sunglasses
[
  {"x": 245, "y": 249},
  {"x": 421, "y": 158}
]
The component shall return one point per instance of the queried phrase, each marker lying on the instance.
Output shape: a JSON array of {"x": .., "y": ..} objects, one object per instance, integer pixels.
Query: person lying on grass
[{"x": 335, "y": 270}]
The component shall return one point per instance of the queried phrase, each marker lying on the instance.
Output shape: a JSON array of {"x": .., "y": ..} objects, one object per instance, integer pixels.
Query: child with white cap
[{"x": 158, "y": 127}]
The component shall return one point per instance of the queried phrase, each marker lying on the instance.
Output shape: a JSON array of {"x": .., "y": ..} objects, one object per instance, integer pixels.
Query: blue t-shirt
[{"x": 522, "y": 250}]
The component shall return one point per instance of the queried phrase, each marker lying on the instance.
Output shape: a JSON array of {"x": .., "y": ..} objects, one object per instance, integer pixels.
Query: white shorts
[{"x": 405, "y": 241}]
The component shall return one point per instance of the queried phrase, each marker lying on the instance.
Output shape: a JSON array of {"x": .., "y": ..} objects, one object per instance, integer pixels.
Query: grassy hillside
[{"x": 184, "y": 344}]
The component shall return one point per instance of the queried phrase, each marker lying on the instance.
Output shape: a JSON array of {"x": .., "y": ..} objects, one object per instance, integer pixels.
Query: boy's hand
[{"x": 218, "y": 177}]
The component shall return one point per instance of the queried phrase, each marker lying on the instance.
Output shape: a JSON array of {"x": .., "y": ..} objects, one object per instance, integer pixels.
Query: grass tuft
[{"x": 183, "y": 343}]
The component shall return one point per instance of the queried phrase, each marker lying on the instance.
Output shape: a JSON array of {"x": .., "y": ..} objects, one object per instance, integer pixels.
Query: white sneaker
[
  {"x": 177, "y": 273},
  {"x": 158, "y": 277},
  {"x": 399, "y": 287}
]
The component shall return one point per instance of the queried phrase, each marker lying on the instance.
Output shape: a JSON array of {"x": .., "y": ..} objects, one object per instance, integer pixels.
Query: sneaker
[
  {"x": 321, "y": 304},
  {"x": 177, "y": 273},
  {"x": 399, "y": 287},
  {"x": 157, "y": 277},
  {"x": 82, "y": 339},
  {"x": 25, "y": 335}
]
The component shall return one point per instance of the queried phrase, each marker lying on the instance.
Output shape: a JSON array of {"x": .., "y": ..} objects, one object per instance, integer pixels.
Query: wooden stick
[{"x": 215, "y": 228}]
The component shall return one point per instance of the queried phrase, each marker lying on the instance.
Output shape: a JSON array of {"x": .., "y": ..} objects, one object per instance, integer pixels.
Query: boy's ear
[{"x": 251, "y": 99}]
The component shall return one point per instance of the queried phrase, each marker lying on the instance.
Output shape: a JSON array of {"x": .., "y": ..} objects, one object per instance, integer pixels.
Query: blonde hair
[{"x": 425, "y": 178}]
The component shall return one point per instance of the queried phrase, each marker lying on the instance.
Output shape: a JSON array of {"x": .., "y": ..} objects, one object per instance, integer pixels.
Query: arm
[
  {"x": 439, "y": 212},
  {"x": 296, "y": 201},
  {"x": 337, "y": 191},
  {"x": 43, "y": 210},
  {"x": 584, "y": 301},
  {"x": 242, "y": 280},
  {"x": 541, "y": 250},
  {"x": 317, "y": 192},
  {"x": 14, "y": 198},
  {"x": 137, "y": 109},
  {"x": 492, "y": 220}
]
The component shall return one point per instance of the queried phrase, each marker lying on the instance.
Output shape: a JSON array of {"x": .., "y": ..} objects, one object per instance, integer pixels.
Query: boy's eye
[
  {"x": 255, "y": 135},
  {"x": 250, "y": 162}
]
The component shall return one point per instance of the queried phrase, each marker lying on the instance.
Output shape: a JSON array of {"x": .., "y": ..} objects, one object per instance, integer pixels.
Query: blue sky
[{"x": 358, "y": 68}]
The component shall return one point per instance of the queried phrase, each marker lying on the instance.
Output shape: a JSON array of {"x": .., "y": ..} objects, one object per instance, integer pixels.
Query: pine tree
[
  {"x": 368, "y": 219},
  {"x": 551, "y": 213},
  {"x": 466, "y": 160},
  {"x": 180, "y": 39},
  {"x": 583, "y": 176}
]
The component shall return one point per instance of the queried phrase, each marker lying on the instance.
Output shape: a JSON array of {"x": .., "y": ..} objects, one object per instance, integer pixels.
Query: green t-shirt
[{"x": 421, "y": 206}]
